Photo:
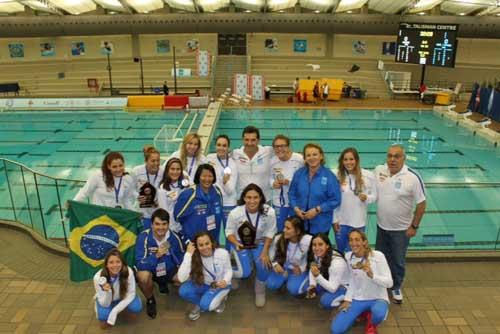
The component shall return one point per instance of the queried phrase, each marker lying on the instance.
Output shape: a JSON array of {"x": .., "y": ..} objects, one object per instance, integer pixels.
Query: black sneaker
[
  {"x": 151, "y": 308},
  {"x": 163, "y": 288}
]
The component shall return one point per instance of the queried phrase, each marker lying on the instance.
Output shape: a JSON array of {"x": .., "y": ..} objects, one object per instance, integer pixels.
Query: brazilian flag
[{"x": 95, "y": 230}]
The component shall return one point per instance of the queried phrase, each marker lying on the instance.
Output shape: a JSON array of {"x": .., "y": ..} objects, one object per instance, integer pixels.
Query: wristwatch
[{"x": 414, "y": 226}]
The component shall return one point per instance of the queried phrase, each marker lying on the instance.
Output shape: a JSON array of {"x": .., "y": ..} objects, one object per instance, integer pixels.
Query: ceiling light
[
  {"x": 317, "y": 11},
  {"x": 461, "y": 14},
  {"x": 281, "y": 11},
  {"x": 248, "y": 11},
  {"x": 349, "y": 12},
  {"x": 421, "y": 13}
]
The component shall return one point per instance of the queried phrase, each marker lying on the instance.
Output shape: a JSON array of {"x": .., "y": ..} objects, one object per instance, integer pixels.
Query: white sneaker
[
  {"x": 221, "y": 307},
  {"x": 195, "y": 313},
  {"x": 397, "y": 296},
  {"x": 260, "y": 293},
  {"x": 260, "y": 299}
]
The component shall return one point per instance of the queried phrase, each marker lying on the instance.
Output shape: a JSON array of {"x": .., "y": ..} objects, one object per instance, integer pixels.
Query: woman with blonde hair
[
  {"x": 190, "y": 154},
  {"x": 358, "y": 190},
  {"x": 147, "y": 179}
]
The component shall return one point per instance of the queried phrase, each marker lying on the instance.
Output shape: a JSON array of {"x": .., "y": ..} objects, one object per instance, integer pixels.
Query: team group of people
[{"x": 275, "y": 209}]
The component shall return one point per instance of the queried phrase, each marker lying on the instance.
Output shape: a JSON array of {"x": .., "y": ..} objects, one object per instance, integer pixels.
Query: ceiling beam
[
  {"x": 128, "y": 9},
  {"x": 196, "y": 7},
  {"x": 334, "y": 7},
  {"x": 410, "y": 6},
  {"x": 50, "y": 7}
]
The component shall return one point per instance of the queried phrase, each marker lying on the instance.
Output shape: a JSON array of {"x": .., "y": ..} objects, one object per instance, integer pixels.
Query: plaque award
[
  {"x": 148, "y": 191},
  {"x": 247, "y": 233}
]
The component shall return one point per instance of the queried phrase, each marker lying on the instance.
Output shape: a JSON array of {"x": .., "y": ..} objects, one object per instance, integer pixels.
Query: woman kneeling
[
  {"x": 115, "y": 289},
  {"x": 370, "y": 277},
  {"x": 206, "y": 276}
]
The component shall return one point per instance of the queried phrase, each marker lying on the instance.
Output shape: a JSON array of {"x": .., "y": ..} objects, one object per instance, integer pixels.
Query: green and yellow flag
[{"x": 95, "y": 230}]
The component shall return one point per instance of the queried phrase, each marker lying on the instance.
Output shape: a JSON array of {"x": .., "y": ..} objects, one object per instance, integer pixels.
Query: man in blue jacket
[
  {"x": 158, "y": 255},
  {"x": 314, "y": 192}
]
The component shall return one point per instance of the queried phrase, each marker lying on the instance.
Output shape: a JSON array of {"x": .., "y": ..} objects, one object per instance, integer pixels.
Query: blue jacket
[
  {"x": 194, "y": 208},
  {"x": 145, "y": 259},
  {"x": 323, "y": 190}
]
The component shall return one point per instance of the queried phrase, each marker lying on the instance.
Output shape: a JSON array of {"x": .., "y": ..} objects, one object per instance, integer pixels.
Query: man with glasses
[
  {"x": 283, "y": 165},
  {"x": 400, "y": 207},
  {"x": 253, "y": 162}
]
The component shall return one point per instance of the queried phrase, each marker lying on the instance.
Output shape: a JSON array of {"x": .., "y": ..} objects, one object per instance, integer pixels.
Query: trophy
[
  {"x": 148, "y": 191},
  {"x": 247, "y": 234}
]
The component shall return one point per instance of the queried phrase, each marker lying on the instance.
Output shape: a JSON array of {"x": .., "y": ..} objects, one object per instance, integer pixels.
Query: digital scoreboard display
[{"x": 427, "y": 44}]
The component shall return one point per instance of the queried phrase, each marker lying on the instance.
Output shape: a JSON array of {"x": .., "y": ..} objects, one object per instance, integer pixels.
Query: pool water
[{"x": 461, "y": 171}]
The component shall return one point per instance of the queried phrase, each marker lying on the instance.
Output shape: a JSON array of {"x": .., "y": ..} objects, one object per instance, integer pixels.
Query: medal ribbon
[{"x": 117, "y": 190}]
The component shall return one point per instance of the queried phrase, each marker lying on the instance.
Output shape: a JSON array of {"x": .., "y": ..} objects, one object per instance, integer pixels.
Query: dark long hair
[
  {"x": 326, "y": 260},
  {"x": 282, "y": 245},
  {"x": 106, "y": 173},
  {"x": 123, "y": 273},
  {"x": 196, "y": 273},
  {"x": 342, "y": 172},
  {"x": 166, "y": 180},
  {"x": 200, "y": 169},
  {"x": 256, "y": 188}
]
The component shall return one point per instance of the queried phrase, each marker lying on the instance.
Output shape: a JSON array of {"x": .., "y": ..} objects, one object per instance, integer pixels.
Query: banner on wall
[
  {"x": 56, "y": 103},
  {"x": 359, "y": 47},
  {"x": 181, "y": 72},
  {"x": 257, "y": 85},
  {"x": 78, "y": 49},
  {"x": 240, "y": 84},
  {"x": 192, "y": 45},
  {"x": 299, "y": 45},
  {"x": 16, "y": 50},
  {"x": 271, "y": 44},
  {"x": 203, "y": 63},
  {"x": 388, "y": 48},
  {"x": 47, "y": 49},
  {"x": 107, "y": 48},
  {"x": 162, "y": 46}
]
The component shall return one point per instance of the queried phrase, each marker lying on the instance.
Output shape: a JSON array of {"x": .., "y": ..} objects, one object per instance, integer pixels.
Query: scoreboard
[{"x": 427, "y": 44}]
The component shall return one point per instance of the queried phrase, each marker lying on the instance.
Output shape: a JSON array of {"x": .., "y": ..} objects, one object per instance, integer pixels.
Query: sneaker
[
  {"x": 151, "y": 308},
  {"x": 370, "y": 328},
  {"x": 163, "y": 288},
  {"x": 260, "y": 293},
  {"x": 397, "y": 296},
  {"x": 195, "y": 313},
  {"x": 260, "y": 299},
  {"x": 221, "y": 307}
]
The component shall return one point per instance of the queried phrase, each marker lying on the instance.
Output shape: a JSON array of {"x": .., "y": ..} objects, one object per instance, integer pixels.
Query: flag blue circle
[{"x": 98, "y": 241}]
